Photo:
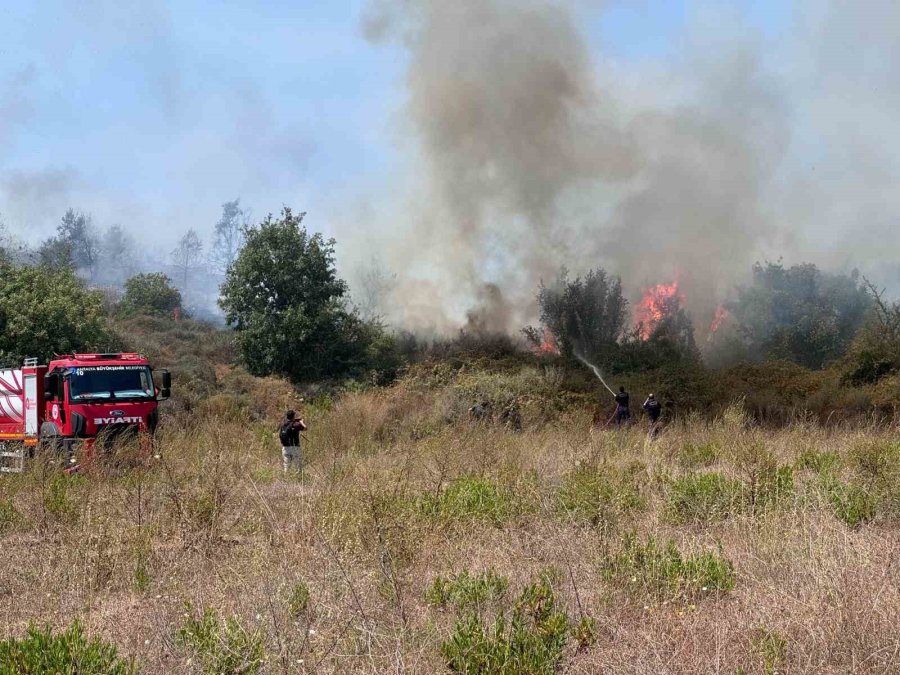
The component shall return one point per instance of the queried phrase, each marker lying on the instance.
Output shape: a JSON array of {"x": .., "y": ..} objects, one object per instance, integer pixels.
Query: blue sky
[{"x": 154, "y": 113}]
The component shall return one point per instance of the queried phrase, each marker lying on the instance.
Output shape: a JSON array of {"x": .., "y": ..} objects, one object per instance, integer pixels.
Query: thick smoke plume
[{"x": 531, "y": 155}]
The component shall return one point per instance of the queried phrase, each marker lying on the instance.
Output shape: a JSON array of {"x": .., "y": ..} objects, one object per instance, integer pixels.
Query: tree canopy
[
  {"x": 799, "y": 313},
  {"x": 585, "y": 315},
  {"x": 284, "y": 298},
  {"x": 151, "y": 294},
  {"x": 75, "y": 245},
  {"x": 45, "y": 311}
]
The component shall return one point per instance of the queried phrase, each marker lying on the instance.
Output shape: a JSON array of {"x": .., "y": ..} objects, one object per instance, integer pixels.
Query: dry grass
[{"x": 399, "y": 490}]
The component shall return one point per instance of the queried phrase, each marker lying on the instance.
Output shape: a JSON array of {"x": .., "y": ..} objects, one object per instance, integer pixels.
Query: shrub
[
  {"x": 703, "y": 498},
  {"x": 222, "y": 648},
  {"x": 47, "y": 311},
  {"x": 877, "y": 461},
  {"x": 586, "y": 316},
  {"x": 765, "y": 483},
  {"x": 472, "y": 498},
  {"x": 770, "y": 648},
  {"x": 465, "y": 591},
  {"x": 851, "y": 502},
  {"x": 298, "y": 601},
  {"x": 585, "y": 632},
  {"x": 531, "y": 641},
  {"x": 693, "y": 455},
  {"x": 799, "y": 313},
  {"x": 820, "y": 462},
  {"x": 598, "y": 496},
  {"x": 58, "y": 501},
  {"x": 666, "y": 573},
  {"x": 71, "y": 652},
  {"x": 878, "y": 465},
  {"x": 151, "y": 294}
]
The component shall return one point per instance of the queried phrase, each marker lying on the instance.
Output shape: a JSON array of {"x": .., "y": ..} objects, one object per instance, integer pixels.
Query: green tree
[
  {"x": 284, "y": 298},
  {"x": 585, "y": 315},
  {"x": 799, "y": 313},
  {"x": 45, "y": 311},
  {"x": 151, "y": 294}
]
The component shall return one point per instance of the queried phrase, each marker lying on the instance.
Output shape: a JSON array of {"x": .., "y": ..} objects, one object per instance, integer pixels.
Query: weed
[
  {"x": 42, "y": 651},
  {"x": 223, "y": 648},
  {"x": 851, "y": 502},
  {"x": 877, "y": 461},
  {"x": 264, "y": 475},
  {"x": 585, "y": 632},
  {"x": 703, "y": 498},
  {"x": 770, "y": 648},
  {"x": 141, "y": 578},
  {"x": 531, "y": 641},
  {"x": 765, "y": 483},
  {"x": 470, "y": 499},
  {"x": 298, "y": 601},
  {"x": 599, "y": 496},
  {"x": 59, "y": 499},
  {"x": 465, "y": 591},
  {"x": 734, "y": 418},
  {"x": 666, "y": 573},
  {"x": 9, "y": 516},
  {"x": 820, "y": 462},
  {"x": 693, "y": 455}
]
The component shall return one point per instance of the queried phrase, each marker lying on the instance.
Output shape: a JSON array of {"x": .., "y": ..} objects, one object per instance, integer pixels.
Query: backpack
[{"x": 285, "y": 435}]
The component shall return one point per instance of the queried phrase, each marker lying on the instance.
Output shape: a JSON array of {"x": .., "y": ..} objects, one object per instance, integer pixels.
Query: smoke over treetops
[{"x": 529, "y": 154}]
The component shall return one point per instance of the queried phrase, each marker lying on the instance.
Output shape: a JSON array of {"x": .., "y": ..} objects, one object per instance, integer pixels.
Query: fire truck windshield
[{"x": 110, "y": 382}]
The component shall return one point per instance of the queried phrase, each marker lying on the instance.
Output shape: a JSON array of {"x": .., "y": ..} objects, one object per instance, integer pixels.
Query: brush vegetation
[{"x": 420, "y": 540}]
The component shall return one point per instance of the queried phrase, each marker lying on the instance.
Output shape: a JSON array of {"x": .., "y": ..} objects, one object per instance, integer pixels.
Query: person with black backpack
[{"x": 289, "y": 435}]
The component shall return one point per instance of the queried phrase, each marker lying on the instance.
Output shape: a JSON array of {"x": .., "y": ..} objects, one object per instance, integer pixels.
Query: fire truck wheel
[{"x": 50, "y": 439}]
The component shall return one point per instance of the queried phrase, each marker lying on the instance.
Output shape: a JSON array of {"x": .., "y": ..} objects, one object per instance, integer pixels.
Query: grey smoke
[{"x": 529, "y": 154}]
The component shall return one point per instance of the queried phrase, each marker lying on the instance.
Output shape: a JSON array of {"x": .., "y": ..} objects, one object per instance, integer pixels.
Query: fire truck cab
[{"x": 74, "y": 400}]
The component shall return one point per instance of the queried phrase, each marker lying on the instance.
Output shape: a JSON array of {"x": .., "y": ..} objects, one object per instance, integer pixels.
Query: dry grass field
[{"x": 418, "y": 542}]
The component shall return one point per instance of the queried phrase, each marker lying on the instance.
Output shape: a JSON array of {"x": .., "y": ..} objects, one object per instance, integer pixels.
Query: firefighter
[
  {"x": 480, "y": 413},
  {"x": 623, "y": 411},
  {"x": 653, "y": 408},
  {"x": 289, "y": 435},
  {"x": 511, "y": 418}
]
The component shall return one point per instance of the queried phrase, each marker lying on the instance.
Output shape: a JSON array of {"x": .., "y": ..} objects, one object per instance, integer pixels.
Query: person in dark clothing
[
  {"x": 623, "y": 411},
  {"x": 289, "y": 435},
  {"x": 653, "y": 408}
]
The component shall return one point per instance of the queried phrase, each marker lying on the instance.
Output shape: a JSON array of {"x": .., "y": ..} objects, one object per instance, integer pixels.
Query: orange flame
[
  {"x": 548, "y": 346},
  {"x": 654, "y": 307},
  {"x": 721, "y": 315}
]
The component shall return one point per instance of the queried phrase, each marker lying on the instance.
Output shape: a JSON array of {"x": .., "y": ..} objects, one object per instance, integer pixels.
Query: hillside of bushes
[{"x": 419, "y": 540}]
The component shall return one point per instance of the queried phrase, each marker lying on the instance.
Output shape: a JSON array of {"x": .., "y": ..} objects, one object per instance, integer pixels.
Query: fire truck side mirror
[
  {"x": 165, "y": 389},
  {"x": 54, "y": 387}
]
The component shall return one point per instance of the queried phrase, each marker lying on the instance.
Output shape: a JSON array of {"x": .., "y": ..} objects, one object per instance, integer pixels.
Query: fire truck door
[{"x": 31, "y": 406}]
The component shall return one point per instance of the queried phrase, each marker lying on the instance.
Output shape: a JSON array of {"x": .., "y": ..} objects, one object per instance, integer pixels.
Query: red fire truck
[{"x": 75, "y": 399}]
